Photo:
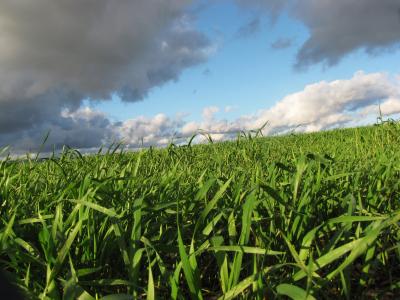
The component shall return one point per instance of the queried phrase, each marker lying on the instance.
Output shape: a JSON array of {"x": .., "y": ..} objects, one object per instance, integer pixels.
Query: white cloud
[
  {"x": 326, "y": 104},
  {"x": 389, "y": 107},
  {"x": 190, "y": 128},
  {"x": 209, "y": 112},
  {"x": 318, "y": 106},
  {"x": 230, "y": 108},
  {"x": 158, "y": 130}
]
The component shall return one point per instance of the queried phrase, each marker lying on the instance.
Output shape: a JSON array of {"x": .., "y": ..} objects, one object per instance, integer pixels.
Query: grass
[{"x": 308, "y": 216}]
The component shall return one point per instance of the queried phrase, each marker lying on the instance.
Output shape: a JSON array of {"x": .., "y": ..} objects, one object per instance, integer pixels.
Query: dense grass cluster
[{"x": 299, "y": 216}]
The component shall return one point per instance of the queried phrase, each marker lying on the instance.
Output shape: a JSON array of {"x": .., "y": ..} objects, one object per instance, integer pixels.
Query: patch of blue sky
[{"x": 244, "y": 73}]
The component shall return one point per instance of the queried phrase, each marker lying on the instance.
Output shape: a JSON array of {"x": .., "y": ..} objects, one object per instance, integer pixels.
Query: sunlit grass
[{"x": 299, "y": 216}]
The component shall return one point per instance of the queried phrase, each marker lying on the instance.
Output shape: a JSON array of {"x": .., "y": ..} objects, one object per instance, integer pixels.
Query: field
[{"x": 300, "y": 216}]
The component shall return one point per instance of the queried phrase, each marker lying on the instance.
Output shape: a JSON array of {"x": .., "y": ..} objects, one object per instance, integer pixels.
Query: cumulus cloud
[
  {"x": 209, "y": 112},
  {"x": 319, "y": 106},
  {"x": 326, "y": 104},
  {"x": 389, "y": 107},
  {"x": 143, "y": 131},
  {"x": 54, "y": 54}
]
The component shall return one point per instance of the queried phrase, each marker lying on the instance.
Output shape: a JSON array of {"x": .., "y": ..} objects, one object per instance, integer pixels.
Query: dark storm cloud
[
  {"x": 54, "y": 54},
  {"x": 82, "y": 129},
  {"x": 338, "y": 27},
  {"x": 20, "y": 113}
]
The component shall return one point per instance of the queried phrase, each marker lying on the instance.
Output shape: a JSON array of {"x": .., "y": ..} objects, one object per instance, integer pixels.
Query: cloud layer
[
  {"x": 55, "y": 54},
  {"x": 318, "y": 106}
]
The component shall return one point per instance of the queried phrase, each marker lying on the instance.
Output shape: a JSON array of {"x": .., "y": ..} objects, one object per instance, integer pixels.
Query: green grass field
[{"x": 299, "y": 216}]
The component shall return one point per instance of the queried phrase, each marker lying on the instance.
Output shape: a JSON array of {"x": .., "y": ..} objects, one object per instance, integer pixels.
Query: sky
[{"x": 151, "y": 72}]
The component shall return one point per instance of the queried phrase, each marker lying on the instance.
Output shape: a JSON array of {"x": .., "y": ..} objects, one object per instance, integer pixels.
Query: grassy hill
[{"x": 305, "y": 216}]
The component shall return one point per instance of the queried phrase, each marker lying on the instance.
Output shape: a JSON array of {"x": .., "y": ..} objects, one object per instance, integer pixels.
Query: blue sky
[
  {"x": 155, "y": 70},
  {"x": 245, "y": 73}
]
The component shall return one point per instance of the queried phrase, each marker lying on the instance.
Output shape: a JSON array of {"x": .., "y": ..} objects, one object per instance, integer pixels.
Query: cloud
[
  {"x": 249, "y": 29},
  {"x": 319, "y": 106},
  {"x": 281, "y": 43},
  {"x": 389, "y": 107},
  {"x": 230, "y": 108},
  {"x": 143, "y": 131},
  {"x": 82, "y": 128},
  {"x": 327, "y": 104},
  {"x": 340, "y": 27},
  {"x": 209, "y": 112},
  {"x": 337, "y": 27},
  {"x": 54, "y": 54}
]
